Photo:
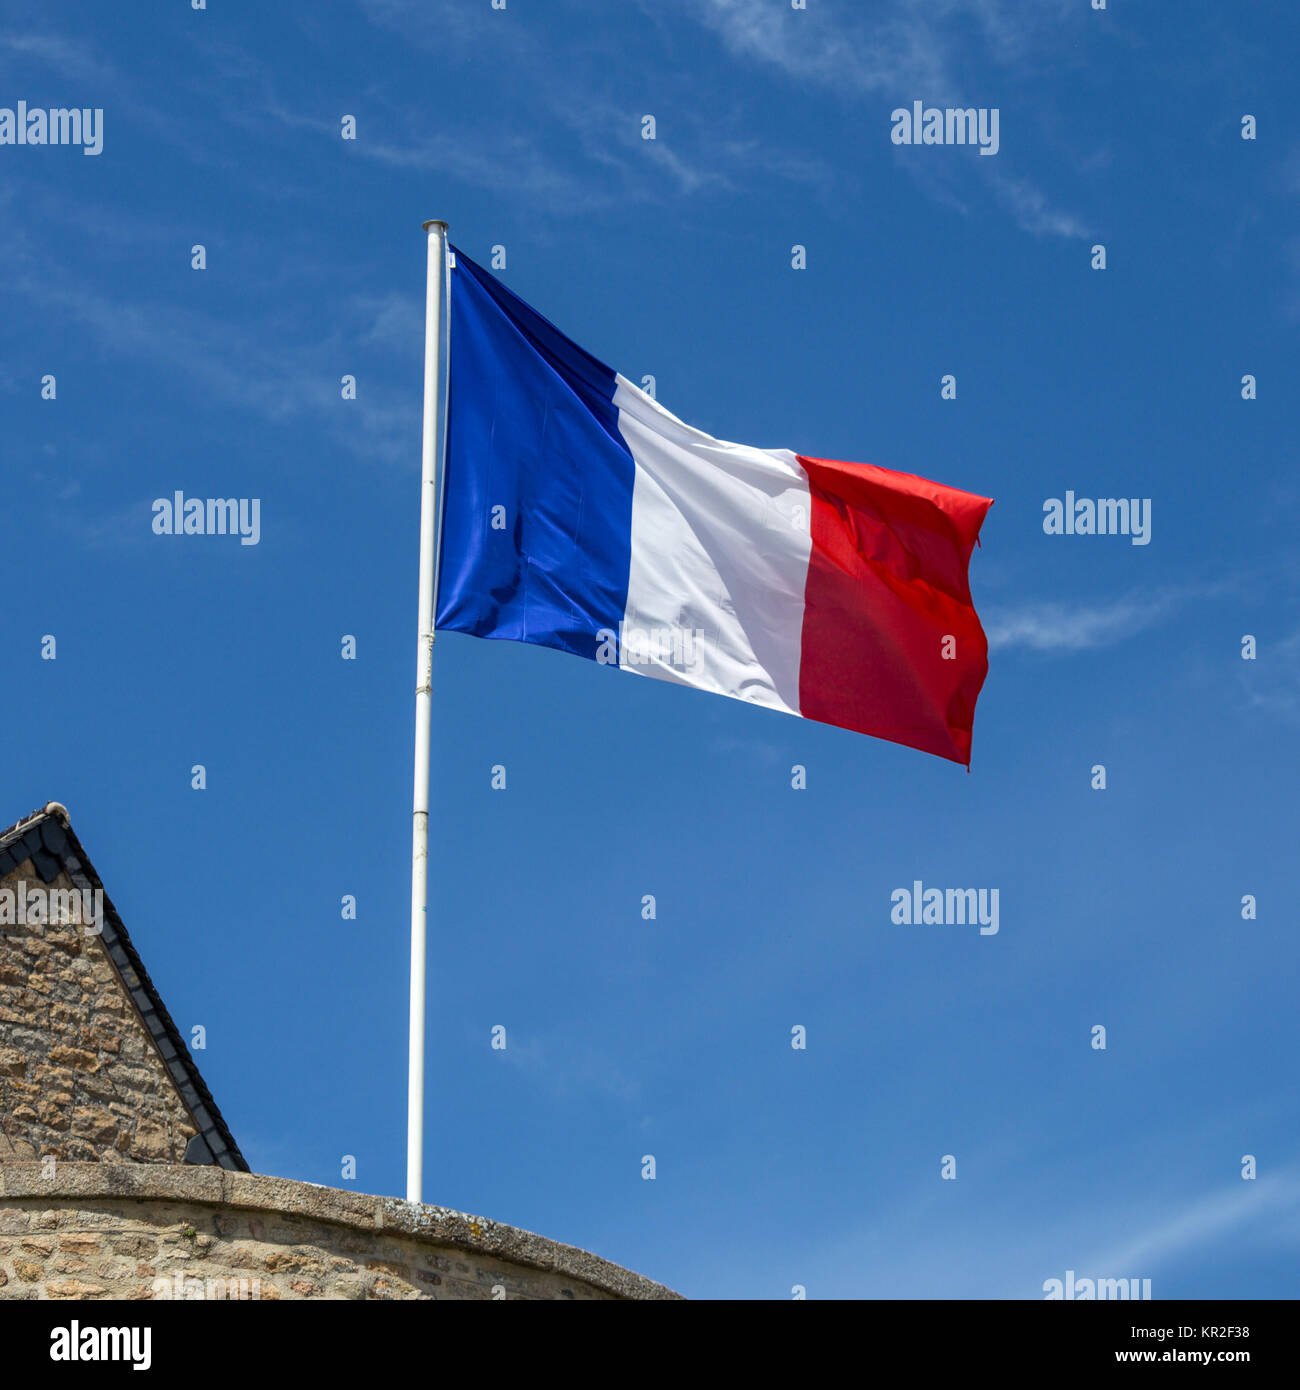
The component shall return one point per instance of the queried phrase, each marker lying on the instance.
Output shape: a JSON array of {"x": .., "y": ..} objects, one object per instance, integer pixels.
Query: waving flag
[{"x": 580, "y": 514}]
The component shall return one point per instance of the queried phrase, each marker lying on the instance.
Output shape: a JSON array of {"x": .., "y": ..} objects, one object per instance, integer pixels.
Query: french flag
[{"x": 580, "y": 514}]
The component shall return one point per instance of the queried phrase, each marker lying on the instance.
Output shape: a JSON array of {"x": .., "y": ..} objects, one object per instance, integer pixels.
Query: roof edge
[{"x": 47, "y": 838}]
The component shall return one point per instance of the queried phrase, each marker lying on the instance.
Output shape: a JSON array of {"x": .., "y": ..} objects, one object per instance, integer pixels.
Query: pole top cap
[{"x": 434, "y": 222}]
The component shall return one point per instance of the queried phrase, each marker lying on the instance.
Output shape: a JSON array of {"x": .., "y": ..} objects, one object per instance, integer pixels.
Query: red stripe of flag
[{"x": 887, "y": 583}]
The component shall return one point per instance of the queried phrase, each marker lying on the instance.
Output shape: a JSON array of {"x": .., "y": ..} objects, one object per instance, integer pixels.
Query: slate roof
[{"x": 46, "y": 838}]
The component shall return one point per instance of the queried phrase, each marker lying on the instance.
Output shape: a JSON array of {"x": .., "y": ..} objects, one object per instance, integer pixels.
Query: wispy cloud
[
  {"x": 1075, "y": 627},
  {"x": 895, "y": 48},
  {"x": 30, "y": 56},
  {"x": 569, "y": 1067},
  {"x": 905, "y": 52},
  {"x": 438, "y": 24},
  {"x": 67, "y": 57},
  {"x": 1272, "y": 680},
  {"x": 1052, "y": 625},
  {"x": 582, "y": 149},
  {"x": 498, "y": 161},
  {"x": 272, "y": 369},
  {"x": 1273, "y": 1199},
  {"x": 391, "y": 321},
  {"x": 886, "y": 48},
  {"x": 552, "y": 171},
  {"x": 1032, "y": 210},
  {"x": 996, "y": 1251}
]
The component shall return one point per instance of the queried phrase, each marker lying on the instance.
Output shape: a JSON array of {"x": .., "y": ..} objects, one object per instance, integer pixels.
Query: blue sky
[{"x": 522, "y": 128}]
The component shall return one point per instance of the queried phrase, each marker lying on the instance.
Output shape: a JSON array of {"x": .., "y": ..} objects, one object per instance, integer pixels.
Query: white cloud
[
  {"x": 888, "y": 52},
  {"x": 1073, "y": 627},
  {"x": 1210, "y": 1217},
  {"x": 1272, "y": 680},
  {"x": 1046, "y": 625},
  {"x": 64, "y": 56},
  {"x": 905, "y": 52},
  {"x": 1031, "y": 209},
  {"x": 917, "y": 1242},
  {"x": 275, "y": 370}
]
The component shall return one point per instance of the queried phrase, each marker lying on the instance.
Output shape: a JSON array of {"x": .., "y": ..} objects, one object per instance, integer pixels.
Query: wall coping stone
[{"x": 211, "y": 1186}]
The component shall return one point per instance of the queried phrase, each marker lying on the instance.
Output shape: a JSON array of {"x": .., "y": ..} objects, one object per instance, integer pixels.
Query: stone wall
[
  {"x": 95, "y": 1231},
  {"x": 80, "y": 1077},
  {"x": 99, "y": 1099}
]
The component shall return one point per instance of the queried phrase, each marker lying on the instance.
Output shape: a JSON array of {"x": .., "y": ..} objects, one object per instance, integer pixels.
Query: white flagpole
[{"x": 433, "y": 420}]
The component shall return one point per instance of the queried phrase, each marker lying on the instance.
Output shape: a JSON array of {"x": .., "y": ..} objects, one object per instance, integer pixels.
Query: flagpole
[{"x": 436, "y": 275}]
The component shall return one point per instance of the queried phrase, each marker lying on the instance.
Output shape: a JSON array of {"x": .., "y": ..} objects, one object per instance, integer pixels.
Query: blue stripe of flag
[{"x": 531, "y": 428}]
